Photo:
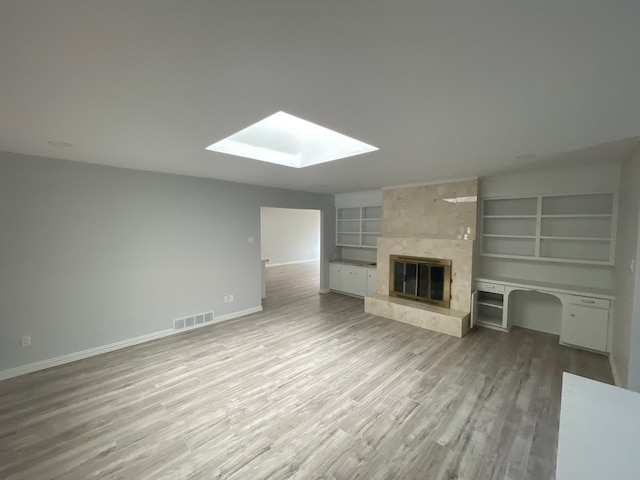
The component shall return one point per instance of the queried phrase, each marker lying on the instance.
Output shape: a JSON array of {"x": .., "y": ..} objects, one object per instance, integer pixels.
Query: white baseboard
[
  {"x": 614, "y": 371},
  {"x": 325, "y": 290},
  {"x": 231, "y": 316},
  {"x": 269, "y": 265},
  {"x": 91, "y": 352}
]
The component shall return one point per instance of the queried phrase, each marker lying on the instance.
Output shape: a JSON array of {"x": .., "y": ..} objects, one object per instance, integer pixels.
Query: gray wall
[
  {"x": 92, "y": 255},
  {"x": 625, "y": 346},
  {"x": 289, "y": 235}
]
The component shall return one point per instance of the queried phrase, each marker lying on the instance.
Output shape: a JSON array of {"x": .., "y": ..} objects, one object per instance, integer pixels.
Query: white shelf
[
  {"x": 489, "y": 307},
  {"x": 510, "y": 216},
  {"x": 565, "y": 228},
  {"x": 362, "y": 223},
  {"x": 491, "y": 303},
  {"x": 499, "y": 235},
  {"x": 490, "y": 323},
  {"x": 545, "y": 259},
  {"x": 579, "y": 239},
  {"x": 596, "y": 215}
]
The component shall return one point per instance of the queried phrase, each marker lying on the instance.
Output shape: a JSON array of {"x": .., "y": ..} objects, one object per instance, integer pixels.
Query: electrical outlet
[
  {"x": 226, "y": 299},
  {"x": 231, "y": 298},
  {"x": 26, "y": 341},
  {"x": 251, "y": 239}
]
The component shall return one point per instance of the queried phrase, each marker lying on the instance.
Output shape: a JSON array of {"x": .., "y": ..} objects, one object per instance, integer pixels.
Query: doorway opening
[{"x": 290, "y": 244}]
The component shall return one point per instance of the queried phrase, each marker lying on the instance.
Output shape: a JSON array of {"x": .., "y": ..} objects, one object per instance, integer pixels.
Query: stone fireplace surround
[
  {"x": 420, "y": 222},
  {"x": 453, "y": 321}
]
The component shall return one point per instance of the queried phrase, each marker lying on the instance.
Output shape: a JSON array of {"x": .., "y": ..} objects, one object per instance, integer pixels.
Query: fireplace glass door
[{"x": 424, "y": 279}]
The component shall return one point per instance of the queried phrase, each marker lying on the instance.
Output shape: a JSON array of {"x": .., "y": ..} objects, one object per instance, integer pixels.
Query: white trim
[
  {"x": 324, "y": 290},
  {"x": 231, "y": 316},
  {"x": 425, "y": 184},
  {"x": 614, "y": 372},
  {"x": 91, "y": 352},
  {"x": 269, "y": 265}
]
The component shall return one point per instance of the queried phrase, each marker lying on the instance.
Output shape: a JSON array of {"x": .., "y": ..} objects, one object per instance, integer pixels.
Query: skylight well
[{"x": 287, "y": 140}]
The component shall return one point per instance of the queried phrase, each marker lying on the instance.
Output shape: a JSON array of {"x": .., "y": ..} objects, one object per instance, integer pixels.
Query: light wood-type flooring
[{"x": 310, "y": 388}]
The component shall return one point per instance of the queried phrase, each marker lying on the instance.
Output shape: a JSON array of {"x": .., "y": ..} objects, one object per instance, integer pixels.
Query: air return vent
[{"x": 193, "y": 321}]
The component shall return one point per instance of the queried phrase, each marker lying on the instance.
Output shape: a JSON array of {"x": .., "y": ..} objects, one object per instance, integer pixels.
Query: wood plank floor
[{"x": 310, "y": 388}]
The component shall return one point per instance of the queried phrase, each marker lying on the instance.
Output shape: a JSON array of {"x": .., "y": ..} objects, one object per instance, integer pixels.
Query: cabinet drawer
[
  {"x": 489, "y": 287},
  {"x": 588, "y": 301}
]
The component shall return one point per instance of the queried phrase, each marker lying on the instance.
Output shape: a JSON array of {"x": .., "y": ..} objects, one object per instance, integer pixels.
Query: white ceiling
[{"x": 446, "y": 89}]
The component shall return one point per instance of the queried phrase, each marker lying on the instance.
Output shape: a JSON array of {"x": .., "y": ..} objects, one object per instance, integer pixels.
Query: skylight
[{"x": 287, "y": 140}]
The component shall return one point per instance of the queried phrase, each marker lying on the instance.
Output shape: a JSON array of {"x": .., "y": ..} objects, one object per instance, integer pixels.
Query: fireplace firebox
[{"x": 423, "y": 279}]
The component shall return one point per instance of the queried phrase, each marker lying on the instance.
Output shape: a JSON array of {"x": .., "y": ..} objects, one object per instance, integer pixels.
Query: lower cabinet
[
  {"x": 335, "y": 276},
  {"x": 372, "y": 275},
  {"x": 585, "y": 322},
  {"x": 352, "y": 279},
  {"x": 489, "y": 306}
]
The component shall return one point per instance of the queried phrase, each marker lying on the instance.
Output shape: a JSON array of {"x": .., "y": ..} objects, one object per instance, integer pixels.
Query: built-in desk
[{"x": 585, "y": 311}]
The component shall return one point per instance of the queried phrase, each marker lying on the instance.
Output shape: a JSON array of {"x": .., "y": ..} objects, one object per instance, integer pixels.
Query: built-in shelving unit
[
  {"x": 560, "y": 228},
  {"x": 489, "y": 304},
  {"x": 358, "y": 226}
]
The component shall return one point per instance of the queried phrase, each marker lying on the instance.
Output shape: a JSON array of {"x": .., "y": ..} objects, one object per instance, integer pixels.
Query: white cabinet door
[
  {"x": 354, "y": 280},
  {"x": 371, "y": 281},
  {"x": 474, "y": 309},
  {"x": 585, "y": 326},
  {"x": 335, "y": 276}
]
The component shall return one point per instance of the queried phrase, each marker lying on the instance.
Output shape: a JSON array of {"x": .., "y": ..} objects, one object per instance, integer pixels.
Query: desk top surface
[{"x": 549, "y": 286}]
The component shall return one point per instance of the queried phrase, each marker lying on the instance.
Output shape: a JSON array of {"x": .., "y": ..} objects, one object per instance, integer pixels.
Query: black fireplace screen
[{"x": 424, "y": 279}]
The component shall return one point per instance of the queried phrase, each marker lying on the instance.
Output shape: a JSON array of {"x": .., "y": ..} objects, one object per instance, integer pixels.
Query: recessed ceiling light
[
  {"x": 61, "y": 144},
  {"x": 287, "y": 140}
]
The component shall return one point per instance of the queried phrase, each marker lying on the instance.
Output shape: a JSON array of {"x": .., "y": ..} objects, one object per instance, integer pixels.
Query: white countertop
[
  {"x": 599, "y": 436},
  {"x": 549, "y": 286},
  {"x": 357, "y": 263}
]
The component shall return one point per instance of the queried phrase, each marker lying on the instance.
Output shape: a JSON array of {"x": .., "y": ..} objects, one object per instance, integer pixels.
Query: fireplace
[{"x": 423, "y": 279}]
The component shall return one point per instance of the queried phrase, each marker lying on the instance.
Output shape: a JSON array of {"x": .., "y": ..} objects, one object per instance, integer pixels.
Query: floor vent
[{"x": 193, "y": 321}]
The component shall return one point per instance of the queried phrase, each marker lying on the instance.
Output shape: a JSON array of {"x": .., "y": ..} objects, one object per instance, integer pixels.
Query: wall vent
[
  {"x": 193, "y": 321},
  {"x": 178, "y": 324}
]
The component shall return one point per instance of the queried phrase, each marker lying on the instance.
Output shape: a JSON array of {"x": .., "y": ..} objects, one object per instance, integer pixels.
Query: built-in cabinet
[
  {"x": 371, "y": 280},
  {"x": 585, "y": 322},
  {"x": 352, "y": 279},
  {"x": 559, "y": 228},
  {"x": 490, "y": 306},
  {"x": 358, "y": 226},
  {"x": 585, "y": 317}
]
